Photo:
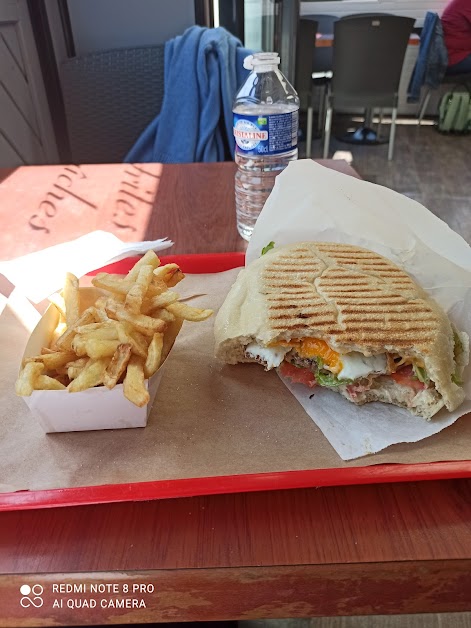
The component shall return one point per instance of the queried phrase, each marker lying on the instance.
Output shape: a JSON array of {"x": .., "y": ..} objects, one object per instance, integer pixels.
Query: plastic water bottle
[{"x": 266, "y": 118}]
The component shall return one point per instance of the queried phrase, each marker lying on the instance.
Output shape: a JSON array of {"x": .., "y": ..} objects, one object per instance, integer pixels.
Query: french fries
[
  {"x": 112, "y": 283},
  {"x": 128, "y": 335},
  {"x": 164, "y": 315},
  {"x": 97, "y": 349},
  {"x": 54, "y": 360},
  {"x": 175, "y": 278},
  {"x": 74, "y": 368},
  {"x": 44, "y": 382},
  {"x": 134, "y": 387},
  {"x": 189, "y": 313},
  {"x": 64, "y": 341},
  {"x": 143, "y": 323},
  {"x": 107, "y": 330},
  {"x": 71, "y": 299},
  {"x": 165, "y": 273},
  {"x": 149, "y": 259},
  {"x": 122, "y": 338},
  {"x": 58, "y": 301},
  {"x": 118, "y": 365},
  {"x": 162, "y": 300},
  {"x": 26, "y": 381},
  {"x": 91, "y": 375},
  {"x": 136, "y": 294},
  {"x": 154, "y": 355}
]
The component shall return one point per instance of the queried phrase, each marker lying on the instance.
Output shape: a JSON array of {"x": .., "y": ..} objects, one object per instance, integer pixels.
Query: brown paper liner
[{"x": 209, "y": 419}]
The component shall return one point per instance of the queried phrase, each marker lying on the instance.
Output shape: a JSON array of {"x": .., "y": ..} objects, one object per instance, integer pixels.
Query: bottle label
[{"x": 266, "y": 134}]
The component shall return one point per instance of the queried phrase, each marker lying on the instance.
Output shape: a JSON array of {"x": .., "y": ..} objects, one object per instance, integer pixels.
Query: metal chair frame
[{"x": 449, "y": 79}]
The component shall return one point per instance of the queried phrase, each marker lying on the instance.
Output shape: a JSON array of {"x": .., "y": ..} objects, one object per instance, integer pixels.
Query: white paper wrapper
[
  {"x": 39, "y": 274},
  {"x": 311, "y": 202}
]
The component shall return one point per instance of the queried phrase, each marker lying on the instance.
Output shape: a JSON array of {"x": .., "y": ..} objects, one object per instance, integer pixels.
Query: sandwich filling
[{"x": 312, "y": 362}]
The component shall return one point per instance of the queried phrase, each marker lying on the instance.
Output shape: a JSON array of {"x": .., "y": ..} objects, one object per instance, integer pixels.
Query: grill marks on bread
[
  {"x": 292, "y": 301},
  {"x": 368, "y": 264},
  {"x": 350, "y": 294}
]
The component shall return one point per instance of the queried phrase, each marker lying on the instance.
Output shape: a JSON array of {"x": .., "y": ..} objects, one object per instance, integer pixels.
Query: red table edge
[
  {"x": 193, "y": 264},
  {"x": 190, "y": 487}
]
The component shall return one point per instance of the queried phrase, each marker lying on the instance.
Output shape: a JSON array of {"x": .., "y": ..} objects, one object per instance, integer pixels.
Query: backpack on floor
[{"x": 454, "y": 112}]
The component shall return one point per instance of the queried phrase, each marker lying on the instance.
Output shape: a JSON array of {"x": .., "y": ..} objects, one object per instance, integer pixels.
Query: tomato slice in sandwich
[
  {"x": 298, "y": 375},
  {"x": 405, "y": 377}
]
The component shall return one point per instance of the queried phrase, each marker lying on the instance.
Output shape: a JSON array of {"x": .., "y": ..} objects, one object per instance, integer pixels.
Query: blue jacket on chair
[
  {"x": 203, "y": 69},
  {"x": 432, "y": 61}
]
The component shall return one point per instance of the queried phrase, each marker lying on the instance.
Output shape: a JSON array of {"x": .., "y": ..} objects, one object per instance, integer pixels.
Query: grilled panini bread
[{"x": 344, "y": 317}]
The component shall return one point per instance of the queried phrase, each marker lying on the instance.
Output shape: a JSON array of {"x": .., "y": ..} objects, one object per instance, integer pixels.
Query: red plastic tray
[{"x": 162, "y": 489}]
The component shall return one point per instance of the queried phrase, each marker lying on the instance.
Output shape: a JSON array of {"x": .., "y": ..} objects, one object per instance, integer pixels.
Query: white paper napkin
[
  {"x": 311, "y": 202},
  {"x": 37, "y": 275}
]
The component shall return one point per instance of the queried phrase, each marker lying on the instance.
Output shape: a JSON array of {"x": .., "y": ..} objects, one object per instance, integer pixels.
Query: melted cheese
[
  {"x": 271, "y": 357},
  {"x": 313, "y": 348},
  {"x": 347, "y": 366}
]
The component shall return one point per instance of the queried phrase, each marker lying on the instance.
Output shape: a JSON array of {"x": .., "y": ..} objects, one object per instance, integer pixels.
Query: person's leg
[{"x": 463, "y": 67}]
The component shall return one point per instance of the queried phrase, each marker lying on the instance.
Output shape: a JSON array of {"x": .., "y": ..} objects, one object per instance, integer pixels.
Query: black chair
[
  {"x": 110, "y": 97},
  {"x": 367, "y": 62},
  {"x": 306, "y": 42}
]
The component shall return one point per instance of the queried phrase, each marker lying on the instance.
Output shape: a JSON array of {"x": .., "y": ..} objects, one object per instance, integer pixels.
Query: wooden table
[{"x": 377, "y": 549}]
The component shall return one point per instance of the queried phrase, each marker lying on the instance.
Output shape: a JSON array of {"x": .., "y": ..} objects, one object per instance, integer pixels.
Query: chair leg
[
  {"x": 380, "y": 122},
  {"x": 320, "y": 121},
  {"x": 310, "y": 113},
  {"x": 368, "y": 117},
  {"x": 327, "y": 128},
  {"x": 423, "y": 108},
  {"x": 392, "y": 135}
]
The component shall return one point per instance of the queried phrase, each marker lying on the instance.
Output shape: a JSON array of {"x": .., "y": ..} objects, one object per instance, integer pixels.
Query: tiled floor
[
  {"x": 437, "y": 620},
  {"x": 431, "y": 168}
]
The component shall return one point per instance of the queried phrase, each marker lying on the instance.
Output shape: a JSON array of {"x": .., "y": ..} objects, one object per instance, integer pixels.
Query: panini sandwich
[{"x": 346, "y": 318}]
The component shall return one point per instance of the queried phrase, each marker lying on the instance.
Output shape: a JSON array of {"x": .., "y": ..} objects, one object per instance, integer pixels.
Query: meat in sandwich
[{"x": 343, "y": 317}]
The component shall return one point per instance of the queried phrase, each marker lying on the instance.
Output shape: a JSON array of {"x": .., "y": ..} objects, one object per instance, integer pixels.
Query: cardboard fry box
[{"x": 96, "y": 408}]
